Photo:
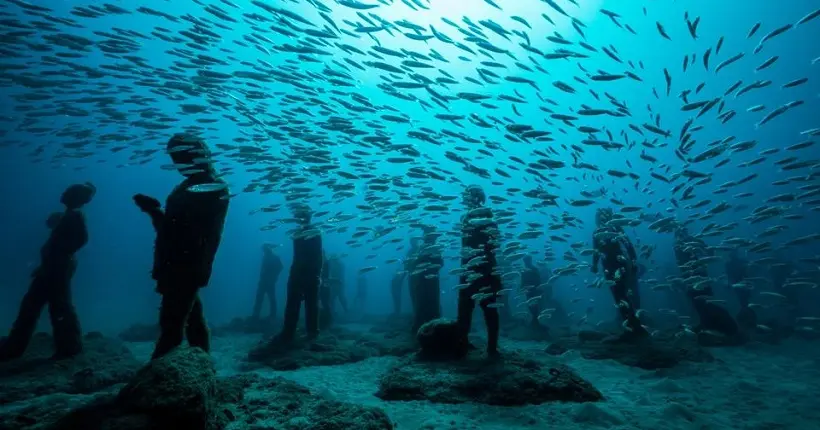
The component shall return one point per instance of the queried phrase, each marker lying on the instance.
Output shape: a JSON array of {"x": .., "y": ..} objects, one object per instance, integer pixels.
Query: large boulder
[
  {"x": 331, "y": 347},
  {"x": 662, "y": 350},
  {"x": 103, "y": 363},
  {"x": 441, "y": 339},
  {"x": 176, "y": 391},
  {"x": 325, "y": 350},
  {"x": 282, "y": 404},
  {"x": 182, "y": 391},
  {"x": 509, "y": 381}
]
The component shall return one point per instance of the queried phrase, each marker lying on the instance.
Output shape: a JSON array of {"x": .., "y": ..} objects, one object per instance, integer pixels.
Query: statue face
[
  {"x": 190, "y": 154},
  {"x": 473, "y": 196}
]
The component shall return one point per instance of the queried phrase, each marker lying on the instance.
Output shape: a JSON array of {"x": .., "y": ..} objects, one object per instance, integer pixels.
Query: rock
[
  {"x": 508, "y": 381},
  {"x": 282, "y": 404},
  {"x": 325, "y": 350},
  {"x": 440, "y": 339},
  {"x": 140, "y": 333},
  {"x": 181, "y": 391},
  {"x": 661, "y": 351},
  {"x": 398, "y": 343},
  {"x": 555, "y": 349},
  {"x": 42, "y": 412},
  {"x": 178, "y": 388},
  {"x": 103, "y": 363}
]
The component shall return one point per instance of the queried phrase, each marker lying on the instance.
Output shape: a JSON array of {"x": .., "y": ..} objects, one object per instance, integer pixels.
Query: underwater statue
[
  {"x": 620, "y": 268},
  {"x": 711, "y": 316},
  {"x": 305, "y": 276},
  {"x": 332, "y": 288},
  {"x": 779, "y": 273},
  {"x": 736, "y": 272},
  {"x": 360, "y": 299},
  {"x": 51, "y": 281},
  {"x": 396, "y": 284},
  {"x": 479, "y": 242},
  {"x": 426, "y": 279},
  {"x": 558, "y": 314},
  {"x": 531, "y": 287},
  {"x": 269, "y": 274},
  {"x": 410, "y": 267},
  {"x": 188, "y": 234}
]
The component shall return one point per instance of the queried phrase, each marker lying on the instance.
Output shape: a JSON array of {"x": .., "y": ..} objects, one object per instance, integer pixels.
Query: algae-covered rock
[
  {"x": 441, "y": 339},
  {"x": 326, "y": 350},
  {"x": 176, "y": 391},
  {"x": 661, "y": 351},
  {"x": 179, "y": 388},
  {"x": 104, "y": 362},
  {"x": 282, "y": 404},
  {"x": 508, "y": 381}
]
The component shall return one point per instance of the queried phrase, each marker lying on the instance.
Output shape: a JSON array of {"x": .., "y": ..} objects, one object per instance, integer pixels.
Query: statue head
[
  {"x": 190, "y": 155},
  {"x": 474, "y": 196},
  {"x": 429, "y": 234},
  {"x": 302, "y": 213},
  {"x": 736, "y": 253},
  {"x": 603, "y": 216},
  {"x": 681, "y": 232},
  {"x": 78, "y": 195}
]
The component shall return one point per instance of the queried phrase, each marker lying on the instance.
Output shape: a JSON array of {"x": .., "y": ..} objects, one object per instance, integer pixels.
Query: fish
[
  {"x": 662, "y": 31},
  {"x": 767, "y": 63},
  {"x": 729, "y": 61},
  {"x": 208, "y": 188},
  {"x": 809, "y": 17},
  {"x": 795, "y": 83},
  {"x": 753, "y": 30},
  {"x": 380, "y": 120}
]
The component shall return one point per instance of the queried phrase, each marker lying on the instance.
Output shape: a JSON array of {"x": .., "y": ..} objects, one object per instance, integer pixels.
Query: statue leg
[
  {"x": 197, "y": 328},
  {"x": 312, "y": 307},
  {"x": 174, "y": 309},
  {"x": 293, "y": 305},
  {"x": 30, "y": 308},
  {"x": 257, "y": 303},
  {"x": 64, "y": 321}
]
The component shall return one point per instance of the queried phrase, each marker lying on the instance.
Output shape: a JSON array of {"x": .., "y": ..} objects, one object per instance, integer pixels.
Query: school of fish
[{"x": 305, "y": 129}]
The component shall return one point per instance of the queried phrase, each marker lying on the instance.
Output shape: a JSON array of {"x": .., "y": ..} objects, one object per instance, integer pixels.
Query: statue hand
[{"x": 146, "y": 203}]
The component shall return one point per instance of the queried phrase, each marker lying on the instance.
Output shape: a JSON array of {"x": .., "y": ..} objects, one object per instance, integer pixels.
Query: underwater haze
[
  {"x": 378, "y": 114},
  {"x": 100, "y": 109}
]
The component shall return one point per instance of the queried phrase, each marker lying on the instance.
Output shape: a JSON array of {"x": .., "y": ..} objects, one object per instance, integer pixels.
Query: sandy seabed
[
  {"x": 761, "y": 387},
  {"x": 754, "y": 387}
]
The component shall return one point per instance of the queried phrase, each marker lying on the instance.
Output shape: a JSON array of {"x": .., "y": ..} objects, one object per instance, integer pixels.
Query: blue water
[{"x": 112, "y": 286}]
